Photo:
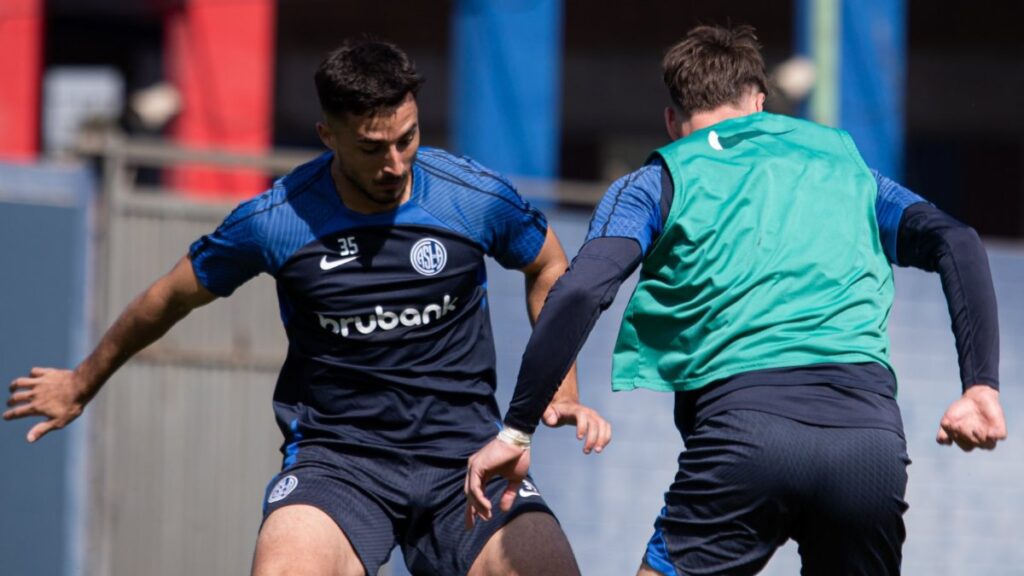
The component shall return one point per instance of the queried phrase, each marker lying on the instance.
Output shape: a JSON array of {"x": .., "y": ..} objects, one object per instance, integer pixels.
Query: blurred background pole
[
  {"x": 859, "y": 51},
  {"x": 506, "y": 84},
  {"x": 21, "y": 49},
  {"x": 220, "y": 55}
]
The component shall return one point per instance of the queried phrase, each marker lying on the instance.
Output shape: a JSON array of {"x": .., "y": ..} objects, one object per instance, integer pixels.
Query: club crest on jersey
[
  {"x": 283, "y": 488},
  {"x": 428, "y": 256}
]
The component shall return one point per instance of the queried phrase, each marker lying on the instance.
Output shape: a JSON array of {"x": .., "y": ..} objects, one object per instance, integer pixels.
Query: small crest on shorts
[
  {"x": 527, "y": 489},
  {"x": 283, "y": 488}
]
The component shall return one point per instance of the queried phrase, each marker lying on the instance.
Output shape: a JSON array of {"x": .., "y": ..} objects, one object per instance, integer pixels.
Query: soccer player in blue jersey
[
  {"x": 765, "y": 246},
  {"x": 377, "y": 248}
]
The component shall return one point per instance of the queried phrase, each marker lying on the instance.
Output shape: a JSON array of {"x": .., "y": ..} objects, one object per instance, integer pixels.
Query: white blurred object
[
  {"x": 74, "y": 96},
  {"x": 156, "y": 105},
  {"x": 795, "y": 77}
]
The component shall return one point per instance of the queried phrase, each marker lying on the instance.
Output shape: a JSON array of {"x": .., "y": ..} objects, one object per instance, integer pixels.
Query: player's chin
[
  {"x": 385, "y": 197},
  {"x": 387, "y": 194}
]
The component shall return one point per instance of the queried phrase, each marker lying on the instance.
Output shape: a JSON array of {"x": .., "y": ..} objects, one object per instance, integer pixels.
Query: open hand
[
  {"x": 974, "y": 421},
  {"x": 589, "y": 424},
  {"x": 57, "y": 395},
  {"x": 497, "y": 458}
]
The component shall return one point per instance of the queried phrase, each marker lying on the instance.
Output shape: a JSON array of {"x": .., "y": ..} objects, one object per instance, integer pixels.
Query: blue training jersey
[{"x": 390, "y": 342}]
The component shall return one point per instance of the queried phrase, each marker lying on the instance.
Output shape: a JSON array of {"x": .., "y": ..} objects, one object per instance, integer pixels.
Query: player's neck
[
  {"x": 751, "y": 103},
  {"x": 702, "y": 120}
]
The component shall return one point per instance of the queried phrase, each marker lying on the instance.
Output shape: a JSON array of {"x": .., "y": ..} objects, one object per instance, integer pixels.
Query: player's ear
[
  {"x": 323, "y": 130},
  {"x": 672, "y": 123}
]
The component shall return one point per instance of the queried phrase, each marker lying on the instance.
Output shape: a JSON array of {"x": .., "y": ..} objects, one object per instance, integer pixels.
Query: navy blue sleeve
[
  {"x": 890, "y": 203},
  {"x": 483, "y": 205},
  {"x": 573, "y": 306},
  {"x": 932, "y": 240},
  {"x": 233, "y": 253},
  {"x": 633, "y": 207},
  {"x": 518, "y": 230}
]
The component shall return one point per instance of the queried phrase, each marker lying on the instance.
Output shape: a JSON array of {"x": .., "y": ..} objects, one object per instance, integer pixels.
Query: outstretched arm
[
  {"x": 932, "y": 240},
  {"x": 625, "y": 224},
  {"x": 61, "y": 395},
  {"x": 575, "y": 303},
  {"x": 564, "y": 408}
]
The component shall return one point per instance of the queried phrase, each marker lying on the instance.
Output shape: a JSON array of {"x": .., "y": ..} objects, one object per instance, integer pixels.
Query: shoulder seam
[
  {"x": 305, "y": 187},
  {"x": 442, "y": 222},
  {"x": 480, "y": 172},
  {"x": 449, "y": 178},
  {"x": 618, "y": 196}
]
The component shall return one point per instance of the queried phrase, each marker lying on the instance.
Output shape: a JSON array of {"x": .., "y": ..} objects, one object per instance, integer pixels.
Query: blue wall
[{"x": 44, "y": 240}]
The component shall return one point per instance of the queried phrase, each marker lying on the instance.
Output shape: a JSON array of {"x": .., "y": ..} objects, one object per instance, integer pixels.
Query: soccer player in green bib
[{"x": 765, "y": 247}]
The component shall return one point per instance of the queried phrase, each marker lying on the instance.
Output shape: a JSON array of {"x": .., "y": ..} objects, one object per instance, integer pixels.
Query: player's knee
[
  {"x": 532, "y": 544},
  {"x": 301, "y": 540}
]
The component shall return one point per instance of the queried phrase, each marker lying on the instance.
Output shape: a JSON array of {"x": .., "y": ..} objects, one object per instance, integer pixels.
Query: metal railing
[{"x": 182, "y": 440}]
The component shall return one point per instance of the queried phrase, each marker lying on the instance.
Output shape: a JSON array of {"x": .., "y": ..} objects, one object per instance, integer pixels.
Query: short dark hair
[
  {"x": 364, "y": 76},
  {"x": 713, "y": 66}
]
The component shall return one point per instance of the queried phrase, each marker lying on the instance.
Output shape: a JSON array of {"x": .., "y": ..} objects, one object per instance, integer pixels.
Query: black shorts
[
  {"x": 749, "y": 480},
  {"x": 400, "y": 499}
]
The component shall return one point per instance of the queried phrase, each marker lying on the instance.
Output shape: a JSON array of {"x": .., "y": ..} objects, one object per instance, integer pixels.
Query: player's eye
[{"x": 407, "y": 139}]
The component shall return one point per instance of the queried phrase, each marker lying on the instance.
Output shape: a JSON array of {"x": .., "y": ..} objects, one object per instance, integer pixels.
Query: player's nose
[{"x": 393, "y": 162}]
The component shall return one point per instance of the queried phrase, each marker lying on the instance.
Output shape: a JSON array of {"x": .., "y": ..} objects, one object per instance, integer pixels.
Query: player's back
[{"x": 770, "y": 258}]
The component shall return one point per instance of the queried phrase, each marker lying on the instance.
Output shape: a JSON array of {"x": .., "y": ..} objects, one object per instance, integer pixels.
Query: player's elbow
[
  {"x": 578, "y": 295},
  {"x": 962, "y": 242}
]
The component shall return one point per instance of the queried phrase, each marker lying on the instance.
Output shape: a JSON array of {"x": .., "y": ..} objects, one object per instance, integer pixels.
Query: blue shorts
[
  {"x": 748, "y": 481},
  {"x": 402, "y": 499}
]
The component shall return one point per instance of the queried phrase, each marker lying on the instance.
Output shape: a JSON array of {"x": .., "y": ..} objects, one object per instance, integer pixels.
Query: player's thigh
[
  {"x": 503, "y": 545},
  {"x": 329, "y": 498},
  {"x": 531, "y": 544},
  {"x": 303, "y": 540}
]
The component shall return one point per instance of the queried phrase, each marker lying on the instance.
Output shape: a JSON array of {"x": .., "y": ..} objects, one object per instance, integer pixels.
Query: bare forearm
[
  {"x": 143, "y": 322},
  {"x": 539, "y": 282},
  {"x": 61, "y": 395},
  {"x": 568, "y": 390},
  {"x": 537, "y": 290}
]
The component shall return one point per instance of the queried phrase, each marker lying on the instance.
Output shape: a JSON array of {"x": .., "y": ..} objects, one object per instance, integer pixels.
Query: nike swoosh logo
[
  {"x": 326, "y": 264},
  {"x": 725, "y": 142},
  {"x": 525, "y": 494}
]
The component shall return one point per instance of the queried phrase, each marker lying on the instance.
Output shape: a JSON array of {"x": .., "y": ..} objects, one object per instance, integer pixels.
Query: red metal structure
[
  {"x": 21, "y": 41},
  {"x": 220, "y": 55}
]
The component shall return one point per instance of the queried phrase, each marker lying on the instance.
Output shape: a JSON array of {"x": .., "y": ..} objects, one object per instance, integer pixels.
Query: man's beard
[{"x": 380, "y": 196}]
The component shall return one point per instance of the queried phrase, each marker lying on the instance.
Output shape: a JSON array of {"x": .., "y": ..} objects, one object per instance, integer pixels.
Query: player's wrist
[{"x": 516, "y": 438}]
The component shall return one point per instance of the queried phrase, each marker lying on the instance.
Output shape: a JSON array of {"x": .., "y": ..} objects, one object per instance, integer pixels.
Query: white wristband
[{"x": 515, "y": 437}]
